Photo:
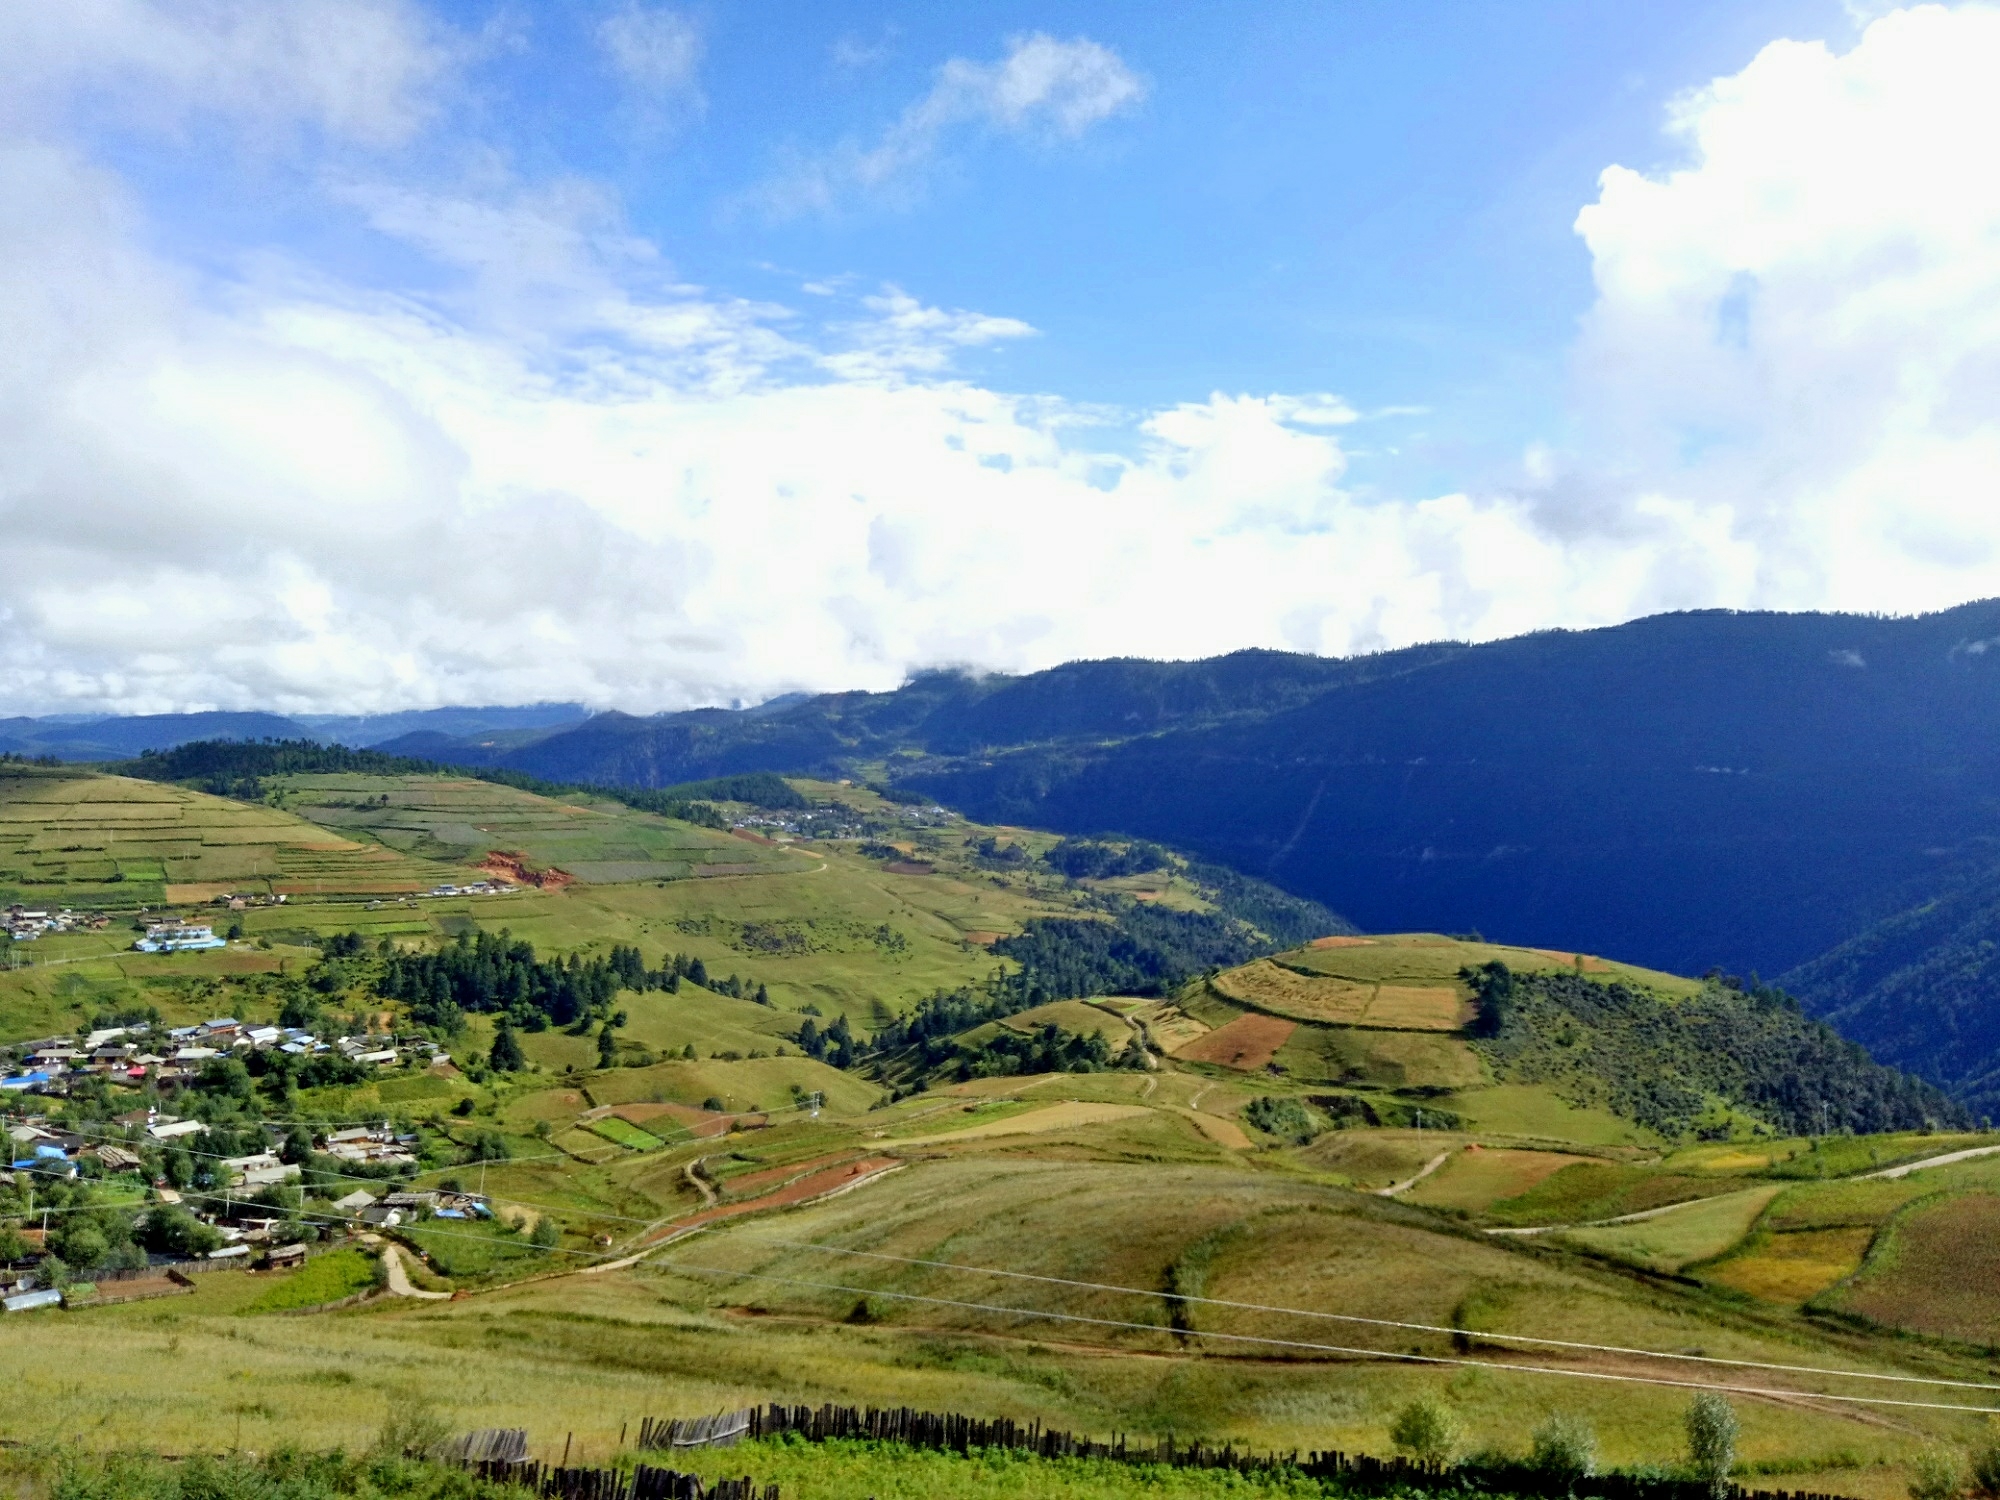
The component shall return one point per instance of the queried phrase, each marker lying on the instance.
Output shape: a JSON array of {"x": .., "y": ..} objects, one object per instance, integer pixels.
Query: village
[
  {"x": 253, "y": 1211},
  {"x": 135, "y": 1054}
]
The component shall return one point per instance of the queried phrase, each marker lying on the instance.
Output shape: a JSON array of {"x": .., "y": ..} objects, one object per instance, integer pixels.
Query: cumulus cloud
[
  {"x": 300, "y": 499},
  {"x": 1799, "y": 329},
  {"x": 1043, "y": 87}
]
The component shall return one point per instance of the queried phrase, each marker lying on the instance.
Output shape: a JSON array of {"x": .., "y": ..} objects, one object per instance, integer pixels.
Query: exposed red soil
[
  {"x": 804, "y": 1190},
  {"x": 984, "y": 939},
  {"x": 1248, "y": 1042},
  {"x": 1342, "y": 942},
  {"x": 752, "y": 1183},
  {"x": 755, "y": 838},
  {"x": 510, "y": 864}
]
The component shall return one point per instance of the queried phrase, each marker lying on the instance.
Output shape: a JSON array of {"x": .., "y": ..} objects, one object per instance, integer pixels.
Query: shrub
[
  {"x": 1937, "y": 1475},
  {"x": 1564, "y": 1447},
  {"x": 1711, "y": 1433},
  {"x": 1285, "y": 1118},
  {"x": 1986, "y": 1472},
  {"x": 412, "y": 1429},
  {"x": 1426, "y": 1430}
]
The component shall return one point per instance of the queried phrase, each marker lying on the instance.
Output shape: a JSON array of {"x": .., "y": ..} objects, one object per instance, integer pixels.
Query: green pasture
[
  {"x": 1680, "y": 1236},
  {"x": 331, "y": 1277}
]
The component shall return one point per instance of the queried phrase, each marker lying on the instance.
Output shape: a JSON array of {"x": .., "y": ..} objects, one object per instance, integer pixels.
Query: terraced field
[
  {"x": 461, "y": 821},
  {"x": 84, "y": 840}
]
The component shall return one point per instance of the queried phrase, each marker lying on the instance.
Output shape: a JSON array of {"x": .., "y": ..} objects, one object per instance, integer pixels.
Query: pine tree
[
  {"x": 506, "y": 1055},
  {"x": 607, "y": 1047}
]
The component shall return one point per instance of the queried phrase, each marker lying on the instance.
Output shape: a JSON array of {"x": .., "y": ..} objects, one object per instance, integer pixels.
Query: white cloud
[
  {"x": 657, "y": 51},
  {"x": 1800, "y": 328},
  {"x": 359, "y": 70},
  {"x": 1043, "y": 87},
  {"x": 314, "y": 497}
]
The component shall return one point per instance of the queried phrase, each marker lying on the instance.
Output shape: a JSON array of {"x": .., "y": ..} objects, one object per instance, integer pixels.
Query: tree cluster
[{"x": 1661, "y": 1062}]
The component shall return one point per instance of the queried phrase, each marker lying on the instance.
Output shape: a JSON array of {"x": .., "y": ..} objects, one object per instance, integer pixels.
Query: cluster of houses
[
  {"x": 133, "y": 1054},
  {"x": 476, "y": 888},
  {"x": 25, "y": 926},
  {"x": 248, "y": 1230},
  {"x": 176, "y": 936},
  {"x": 39, "y": 1147}
]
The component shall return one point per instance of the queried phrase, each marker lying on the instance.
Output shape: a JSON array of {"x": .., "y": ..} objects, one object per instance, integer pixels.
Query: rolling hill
[{"x": 1800, "y": 795}]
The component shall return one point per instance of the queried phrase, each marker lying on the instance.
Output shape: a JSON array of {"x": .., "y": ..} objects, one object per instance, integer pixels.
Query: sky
[{"x": 359, "y": 355}]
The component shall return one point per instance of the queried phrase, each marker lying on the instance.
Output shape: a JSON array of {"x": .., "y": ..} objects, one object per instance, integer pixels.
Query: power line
[
  {"x": 1249, "y": 1338},
  {"x": 1300, "y": 1312}
]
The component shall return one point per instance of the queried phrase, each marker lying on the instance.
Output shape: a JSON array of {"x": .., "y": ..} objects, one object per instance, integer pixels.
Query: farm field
[
  {"x": 1934, "y": 1269},
  {"x": 1681, "y": 1235},
  {"x": 460, "y": 821},
  {"x": 724, "y": 1319},
  {"x": 108, "y": 842},
  {"x": 1474, "y": 1180}
]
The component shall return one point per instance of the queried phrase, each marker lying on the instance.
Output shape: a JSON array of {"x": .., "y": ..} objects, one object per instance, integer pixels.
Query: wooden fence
[
  {"x": 643, "y": 1483},
  {"x": 719, "y": 1431}
]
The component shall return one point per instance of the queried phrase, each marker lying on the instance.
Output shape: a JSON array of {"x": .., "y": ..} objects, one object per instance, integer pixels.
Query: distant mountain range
[
  {"x": 72, "y": 737},
  {"x": 1812, "y": 796}
]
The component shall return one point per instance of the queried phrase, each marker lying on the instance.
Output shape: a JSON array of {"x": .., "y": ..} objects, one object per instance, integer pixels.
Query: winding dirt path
[
  {"x": 399, "y": 1277},
  {"x": 1409, "y": 1182},
  {"x": 1929, "y": 1161}
]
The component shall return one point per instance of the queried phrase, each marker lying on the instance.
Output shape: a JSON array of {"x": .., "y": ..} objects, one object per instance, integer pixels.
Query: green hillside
[{"x": 1350, "y": 1124}]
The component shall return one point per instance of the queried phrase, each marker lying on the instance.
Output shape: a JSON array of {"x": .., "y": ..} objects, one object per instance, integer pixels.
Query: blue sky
[
  {"x": 1342, "y": 197},
  {"x": 1357, "y": 323}
]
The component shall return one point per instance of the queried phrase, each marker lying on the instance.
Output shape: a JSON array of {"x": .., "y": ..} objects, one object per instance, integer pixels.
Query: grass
[
  {"x": 882, "y": 1471},
  {"x": 324, "y": 1278},
  {"x": 631, "y": 1136},
  {"x": 471, "y": 1249},
  {"x": 589, "y": 1354},
  {"x": 1075, "y": 1016},
  {"x": 1419, "y": 957},
  {"x": 1533, "y": 1112},
  {"x": 1683, "y": 1236},
  {"x": 1604, "y": 1190},
  {"x": 1475, "y": 1180}
]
